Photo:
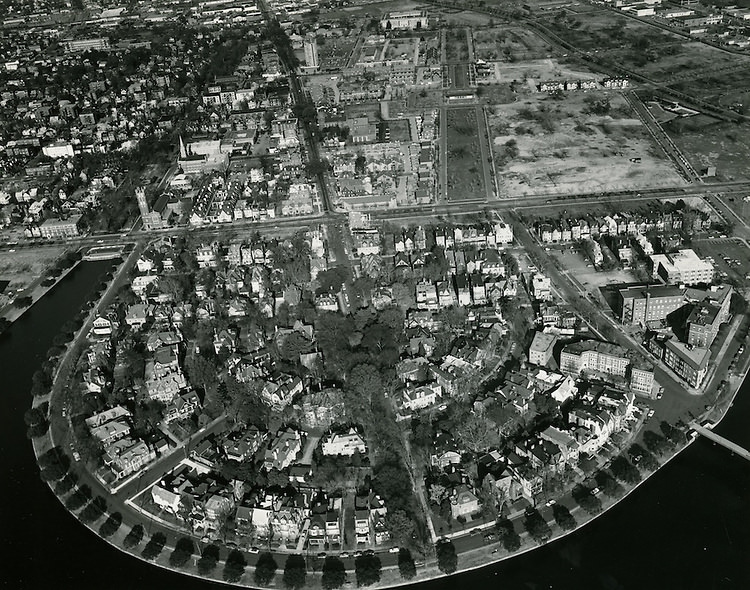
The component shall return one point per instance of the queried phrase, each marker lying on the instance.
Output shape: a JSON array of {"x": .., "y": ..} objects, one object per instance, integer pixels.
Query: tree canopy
[
  {"x": 234, "y": 567},
  {"x": 446, "y": 556},
  {"x": 334, "y": 573},
  {"x": 295, "y": 571},
  {"x": 265, "y": 569},
  {"x": 183, "y": 551}
]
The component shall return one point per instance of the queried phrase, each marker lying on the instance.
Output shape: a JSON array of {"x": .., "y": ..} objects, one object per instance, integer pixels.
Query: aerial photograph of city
[{"x": 321, "y": 294}]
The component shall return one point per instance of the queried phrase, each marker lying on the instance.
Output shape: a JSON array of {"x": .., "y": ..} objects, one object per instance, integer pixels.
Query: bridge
[{"x": 728, "y": 444}]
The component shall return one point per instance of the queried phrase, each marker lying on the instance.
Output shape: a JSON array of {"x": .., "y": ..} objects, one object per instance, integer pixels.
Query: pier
[{"x": 726, "y": 443}]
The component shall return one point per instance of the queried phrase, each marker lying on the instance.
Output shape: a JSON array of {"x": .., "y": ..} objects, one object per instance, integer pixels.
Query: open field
[
  {"x": 23, "y": 266},
  {"x": 583, "y": 143},
  {"x": 708, "y": 142},
  {"x": 652, "y": 51},
  {"x": 726, "y": 88},
  {"x": 465, "y": 168},
  {"x": 509, "y": 44}
]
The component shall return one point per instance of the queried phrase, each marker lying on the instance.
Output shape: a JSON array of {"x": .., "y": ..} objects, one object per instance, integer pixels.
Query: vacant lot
[
  {"x": 710, "y": 142},
  {"x": 509, "y": 44},
  {"x": 465, "y": 173},
  {"x": 583, "y": 142},
  {"x": 729, "y": 87},
  {"x": 649, "y": 50},
  {"x": 525, "y": 76},
  {"x": 23, "y": 266},
  {"x": 582, "y": 271}
]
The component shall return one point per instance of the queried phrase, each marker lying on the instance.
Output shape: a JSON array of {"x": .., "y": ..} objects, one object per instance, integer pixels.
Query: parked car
[
  {"x": 394, "y": 550},
  {"x": 551, "y": 502},
  {"x": 253, "y": 550},
  {"x": 344, "y": 555}
]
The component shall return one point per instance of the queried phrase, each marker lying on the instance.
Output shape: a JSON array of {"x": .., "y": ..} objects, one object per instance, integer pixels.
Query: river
[{"x": 686, "y": 528}]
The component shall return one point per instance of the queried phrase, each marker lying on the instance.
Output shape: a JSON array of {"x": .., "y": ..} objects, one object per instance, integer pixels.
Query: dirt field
[
  {"x": 584, "y": 142},
  {"x": 23, "y": 266},
  {"x": 709, "y": 142},
  {"x": 465, "y": 173}
]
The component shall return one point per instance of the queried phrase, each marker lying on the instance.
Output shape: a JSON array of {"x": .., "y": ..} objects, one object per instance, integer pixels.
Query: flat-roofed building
[
  {"x": 684, "y": 267},
  {"x": 540, "y": 351},
  {"x": 61, "y": 228},
  {"x": 642, "y": 304},
  {"x": 594, "y": 355}
]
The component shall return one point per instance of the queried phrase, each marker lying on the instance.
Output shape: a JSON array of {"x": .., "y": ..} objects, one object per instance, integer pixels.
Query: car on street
[
  {"x": 344, "y": 555},
  {"x": 650, "y": 413},
  {"x": 253, "y": 550},
  {"x": 370, "y": 552},
  {"x": 357, "y": 554},
  {"x": 551, "y": 502},
  {"x": 322, "y": 554},
  {"x": 394, "y": 550},
  {"x": 489, "y": 537}
]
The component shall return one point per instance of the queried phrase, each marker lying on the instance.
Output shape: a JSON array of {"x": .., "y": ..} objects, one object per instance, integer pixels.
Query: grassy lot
[
  {"x": 509, "y": 44},
  {"x": 456, "y": 45},
  {"x": 725, "y": 88},
  {"x": 709, "y": 142},
  {"x": 401, "y": 49},
  {"x": 23, "y": 266},
  {"x": 464, "y": 156},
  {"x": 653, "y": 52},
  {"x": 584, "y": 142}
]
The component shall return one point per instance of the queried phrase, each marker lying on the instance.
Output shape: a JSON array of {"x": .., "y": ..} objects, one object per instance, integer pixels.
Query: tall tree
[
  {"x": 367, "y": 569},
  {"x": 406, "y": 566},
  {"x": 265, "y": 569},
  {"x": 334, "y": 573},
  {"x": 446, "y": 556},
  {"x": 295, "y": 571}
]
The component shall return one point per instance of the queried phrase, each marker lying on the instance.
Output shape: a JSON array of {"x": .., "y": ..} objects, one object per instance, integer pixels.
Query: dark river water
[{"x": 686, "y": 528}]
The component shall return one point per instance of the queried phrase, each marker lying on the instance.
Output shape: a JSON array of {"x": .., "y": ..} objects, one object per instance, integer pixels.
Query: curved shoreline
[{"x": 430, "y": 571}]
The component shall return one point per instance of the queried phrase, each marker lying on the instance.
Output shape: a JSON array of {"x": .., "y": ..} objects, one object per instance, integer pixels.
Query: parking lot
[{"x": 730, "y": 257}]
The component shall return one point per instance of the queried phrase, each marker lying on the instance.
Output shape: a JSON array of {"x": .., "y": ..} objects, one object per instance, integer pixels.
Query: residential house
[
  {"x": 346, "y": 443},
  {"x": 283, "y": 450},
  {"x": 464, "y": 502}
]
